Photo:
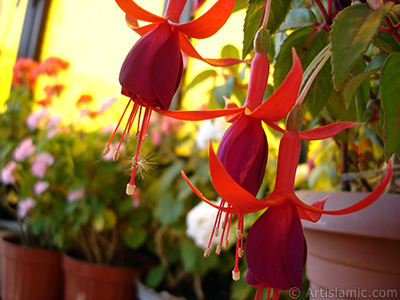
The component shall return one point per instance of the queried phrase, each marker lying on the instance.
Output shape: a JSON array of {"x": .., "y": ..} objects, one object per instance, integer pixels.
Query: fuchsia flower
[
  {"x": 243, "y": 151},
  {"x": 151, "y": 73},
  {"x": 275, "y": 246}
]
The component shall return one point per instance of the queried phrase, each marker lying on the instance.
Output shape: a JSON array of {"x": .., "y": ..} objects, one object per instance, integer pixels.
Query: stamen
[
  {"x": 240, "y": 252},
  {"x": 126, "y": 138},
  {"x": 116, "y": 128},
  {"x": 116, "y": 155},
  {"x": 275, "y": 295},
  {"x": 130, "y": 189},
  {"x": 216, "y": 231},
  {"x": 218, "y": 250},
  {"x": 239, "y": 234},
  {"x": 137, "y": 134},
  {"x": 106, "y": 150},
  {"x": 236, "y": 274},
  {"x": 226, "y": 244},
  {"x": 207, "y": 253}
]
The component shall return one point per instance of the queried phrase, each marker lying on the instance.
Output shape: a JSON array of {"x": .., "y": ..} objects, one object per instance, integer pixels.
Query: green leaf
[
  {"x": 155, "y": 276},
  {"x": 201, "y": 77},
  {"x": 355, "y": 83},
  {"x": 320, "y": 91},
  {"x": 390, "y": 90},
  {"x": 297, "y": 18},
  {"x": 252, "y": 22},
  {"x": 337, "y": 110},
  {"x": 386, "y": 42},
  {"x": 254, "y": 17},
  {"x": 283, "y": 61},
  {"x": 135, "y": 238},
  {"x": 353, "y": 30},
  {"x": 193, "y": 259},
  {"x": 169, "y": 208}
]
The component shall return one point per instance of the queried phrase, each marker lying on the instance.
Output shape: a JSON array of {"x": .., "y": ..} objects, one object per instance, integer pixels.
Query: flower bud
[
  {"x": 375, "y": 4},
  {"x": 295, "y": 119},
  {"x": 262, "y": 41}
]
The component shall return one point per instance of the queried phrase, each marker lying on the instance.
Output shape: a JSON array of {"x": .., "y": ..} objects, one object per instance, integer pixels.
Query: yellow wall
[
  {"x": 93, "y": 37},
  {"x": 11, "y": 21}
]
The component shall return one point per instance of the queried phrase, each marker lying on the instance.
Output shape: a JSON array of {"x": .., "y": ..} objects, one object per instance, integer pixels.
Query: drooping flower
[
  {"x": 243, "y": 150},
  {"x": 283, "y": 270},
  {"x": 25, "y": 149},
  {"x": 24, "y": 206},
  {"x": 152, "y": 70}
]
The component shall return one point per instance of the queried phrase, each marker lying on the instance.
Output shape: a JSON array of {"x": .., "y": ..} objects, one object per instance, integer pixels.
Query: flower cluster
[
  {"x": 150, "y": 75},
  {"x": 53, "y": 178}
]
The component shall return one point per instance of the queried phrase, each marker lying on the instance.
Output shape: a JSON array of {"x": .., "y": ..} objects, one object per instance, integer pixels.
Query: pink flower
[
  {"x": 40, "y": 187},
  {"x": 25, "y": 206},
  {"x": 76, "y": 195},
  {"x": 106, "y": 105},
  {"x": 7, "y": 176},
  {"x": 24, "y": 150},
  {"x": 33, "y": 119},
  {"x": 42, "y": 161}
]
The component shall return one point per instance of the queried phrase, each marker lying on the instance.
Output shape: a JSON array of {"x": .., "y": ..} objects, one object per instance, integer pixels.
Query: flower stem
[
  {"x": 311, "y": 79},
  {"x": 327, "y": 18},
  {"x": 174, "y": 10},
  {"x": 393, "y": 30},
  {"x": 266, "y": 13}
]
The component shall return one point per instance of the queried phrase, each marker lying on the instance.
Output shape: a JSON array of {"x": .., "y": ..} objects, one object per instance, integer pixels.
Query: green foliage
[
  {"x": 390, "y": 88},
  {"x": 352, "y": 32}
]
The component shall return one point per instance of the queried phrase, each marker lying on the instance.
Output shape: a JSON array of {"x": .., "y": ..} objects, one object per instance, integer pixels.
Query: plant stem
[
  {"x": 266, "y": 13},
  {"x": 327, "y": 18},
  {"x": 393, "y": 30},
  {"x": 343, "y": 165}
]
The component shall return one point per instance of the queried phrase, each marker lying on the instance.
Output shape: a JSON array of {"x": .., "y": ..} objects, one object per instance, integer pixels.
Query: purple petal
[
  {"x": 276, "y": 248},
  {"x": 135, "y": 75},
  {"x": 166, "y": 70},
  {"x": 244, "y": 151}
]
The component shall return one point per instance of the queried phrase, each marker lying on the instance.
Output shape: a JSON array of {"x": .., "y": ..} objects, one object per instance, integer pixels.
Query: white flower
[
  {"x": 210, "y": 130},
  {"x": 200, "y": 221}
]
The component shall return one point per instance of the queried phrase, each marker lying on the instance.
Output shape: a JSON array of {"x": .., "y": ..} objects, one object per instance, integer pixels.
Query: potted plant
[
  {"x": 30, "y": 261},
  {"x": 355, "y": 251}
]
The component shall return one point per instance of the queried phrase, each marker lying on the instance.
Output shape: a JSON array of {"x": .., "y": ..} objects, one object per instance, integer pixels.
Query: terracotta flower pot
[
  {"x": 355, "y": 255},
  {"x": 30, "y": 273},
  {"x": 89, "y": 281}
]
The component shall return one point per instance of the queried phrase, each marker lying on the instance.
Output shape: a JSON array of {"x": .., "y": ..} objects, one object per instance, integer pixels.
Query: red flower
[
  {"x": 275, "y": 247},
  {"x": 243, "y": 150},
  {"x": 24, "y": 72},
  {"x": 151, "y": 73},
  {"x": 285, "y": 264}
]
